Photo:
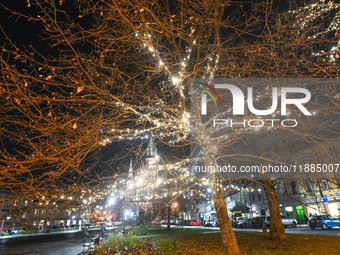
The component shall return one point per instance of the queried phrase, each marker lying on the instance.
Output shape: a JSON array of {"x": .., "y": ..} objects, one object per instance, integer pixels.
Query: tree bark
[
  {"x": 277, "y": 230},
  {"x": 224, "y": 223},
  {"x": 169, "y": 217}
]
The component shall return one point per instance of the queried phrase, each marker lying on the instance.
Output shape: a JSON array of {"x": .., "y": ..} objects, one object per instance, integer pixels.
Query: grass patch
[
  {"x": 249, "y": 243},
  {"x": 159, "y": 230},
  {"x": 252, "y": 243}
]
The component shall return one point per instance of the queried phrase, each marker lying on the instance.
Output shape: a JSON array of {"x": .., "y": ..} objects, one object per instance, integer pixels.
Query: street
[{"x": 65, "y": 243}]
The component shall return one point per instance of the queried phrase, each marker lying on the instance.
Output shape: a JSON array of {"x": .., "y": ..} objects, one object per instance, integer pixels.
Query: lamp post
[{"x": 3, "y": 221}]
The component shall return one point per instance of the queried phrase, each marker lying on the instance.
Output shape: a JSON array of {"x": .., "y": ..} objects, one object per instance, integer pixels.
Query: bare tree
[{"x": 122, "y": 69}]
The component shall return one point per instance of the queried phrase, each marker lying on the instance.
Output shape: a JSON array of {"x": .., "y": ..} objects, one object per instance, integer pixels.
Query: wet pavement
[{"x": 65, "y": 243}]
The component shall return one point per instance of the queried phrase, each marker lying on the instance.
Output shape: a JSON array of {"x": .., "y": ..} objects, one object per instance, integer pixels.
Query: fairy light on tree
[
  {"x": 127, "y": 76},
  {"x": 318, "y": 12}
]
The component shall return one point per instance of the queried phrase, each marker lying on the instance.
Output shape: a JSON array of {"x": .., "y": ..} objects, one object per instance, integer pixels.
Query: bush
[{"x": 125, "y": 246}]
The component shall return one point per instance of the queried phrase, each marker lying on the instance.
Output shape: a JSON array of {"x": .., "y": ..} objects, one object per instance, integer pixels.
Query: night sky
[{"x": 24, "y": 33}]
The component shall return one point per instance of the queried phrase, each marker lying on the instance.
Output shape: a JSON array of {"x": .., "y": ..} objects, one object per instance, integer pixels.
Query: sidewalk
[{"x": 55, "y": 243}]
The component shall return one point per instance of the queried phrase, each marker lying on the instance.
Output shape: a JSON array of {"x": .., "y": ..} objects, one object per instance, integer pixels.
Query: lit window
[
  {"x": 294, "y": 187},
  {"x": 326, "y": 184},
  {"x": 308, "y": 186}
]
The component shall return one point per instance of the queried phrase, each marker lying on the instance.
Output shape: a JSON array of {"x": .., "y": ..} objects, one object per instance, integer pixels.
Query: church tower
[
  {"x": 151, "y": 152},
  {"x": 130, "y": 169}
]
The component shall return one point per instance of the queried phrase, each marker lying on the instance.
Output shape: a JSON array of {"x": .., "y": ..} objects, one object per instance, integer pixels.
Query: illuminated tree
[
  {"x": 120, "y": 70},
  {"x": 328, "y": 14}
]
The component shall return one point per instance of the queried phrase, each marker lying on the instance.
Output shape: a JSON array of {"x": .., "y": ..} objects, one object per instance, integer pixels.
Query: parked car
[
  {"x": 184, "y": 223},
  {"x": 258, "y": 222},
  {"x": 194, "y": 223},
  {"x": 211, "y": 223},
  {"x": 286, "y": 221},
  {"x": 55, "y": 227},
  {"x": 156, "y": 222},
  {"x": 177, "y": 221},
  {"x": 323, "y": 221},
  {"x": 244, "y": 223},
  {"x": 236, "y": 220},
  {"x": 14, "y": 230}
]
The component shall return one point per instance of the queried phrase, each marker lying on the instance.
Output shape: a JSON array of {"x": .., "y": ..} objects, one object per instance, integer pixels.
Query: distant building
[
  {"x": 140, "y": 198},
  {"x": 300, "y": 196},
  {"x": 30, "y": 214}
]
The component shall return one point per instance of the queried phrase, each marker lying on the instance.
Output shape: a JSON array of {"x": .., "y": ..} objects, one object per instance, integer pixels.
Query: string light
[{"x": 309, "y": 14}]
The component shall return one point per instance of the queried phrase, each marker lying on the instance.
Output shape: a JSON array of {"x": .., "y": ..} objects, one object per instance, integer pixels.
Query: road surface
[{"x": 65, "y": 243}]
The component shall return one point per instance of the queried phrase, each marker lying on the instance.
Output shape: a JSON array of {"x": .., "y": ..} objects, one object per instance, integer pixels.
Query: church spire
[
  {"x": 130, "y": 169},
  {"x": 151, "y": 151}
]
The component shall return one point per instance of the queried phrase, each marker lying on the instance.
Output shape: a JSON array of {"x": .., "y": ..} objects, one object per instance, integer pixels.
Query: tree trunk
[
  {"x": 321, "y": 195},
  {"x": 169, "y": 217},
  {"x": 277, "y": 230},
  {"x": 227, "y": 233}
]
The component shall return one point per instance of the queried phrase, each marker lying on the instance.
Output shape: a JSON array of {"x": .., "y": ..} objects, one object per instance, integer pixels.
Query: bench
[
  {"x": 91, "y": 245},
  {"x": 87, "y": 247},
  {"x": 94, "y": 242}
]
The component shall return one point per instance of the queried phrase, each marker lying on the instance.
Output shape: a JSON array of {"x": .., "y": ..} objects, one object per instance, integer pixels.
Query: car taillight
[{"x": 318, "y": 221}]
